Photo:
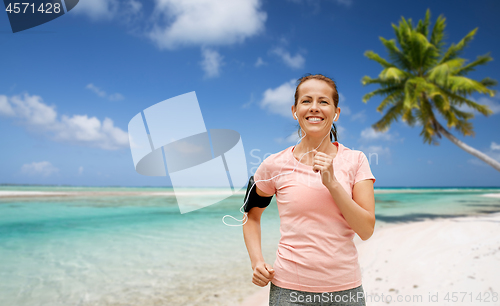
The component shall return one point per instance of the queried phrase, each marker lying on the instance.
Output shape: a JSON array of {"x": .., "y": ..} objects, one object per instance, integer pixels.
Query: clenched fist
[{"x": 263, "y": 273}]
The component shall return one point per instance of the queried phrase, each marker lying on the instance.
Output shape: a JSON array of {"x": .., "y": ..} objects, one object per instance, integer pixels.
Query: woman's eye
[
  {"x": 305, "y": 101},
  {"x": 324, "y": 102}
]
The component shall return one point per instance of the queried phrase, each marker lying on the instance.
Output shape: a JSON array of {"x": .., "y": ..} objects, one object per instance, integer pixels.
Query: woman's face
[{"x": 315, "y": 107}]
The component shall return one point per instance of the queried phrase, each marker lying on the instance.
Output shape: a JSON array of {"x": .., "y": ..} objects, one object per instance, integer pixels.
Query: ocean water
[{"x": 139, "y": 250}]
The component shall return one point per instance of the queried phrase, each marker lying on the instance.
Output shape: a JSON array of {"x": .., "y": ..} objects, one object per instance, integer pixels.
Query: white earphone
[{"x": 333, "y": 117}]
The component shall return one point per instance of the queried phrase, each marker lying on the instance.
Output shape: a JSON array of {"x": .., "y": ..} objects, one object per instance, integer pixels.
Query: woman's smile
[{"x": 314, "y": 119}]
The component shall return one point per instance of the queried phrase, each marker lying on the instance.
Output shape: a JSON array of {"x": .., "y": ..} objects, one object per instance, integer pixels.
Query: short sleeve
[
  {"x": 264, "y": 173},
  {"x": 364, "y": 172}
]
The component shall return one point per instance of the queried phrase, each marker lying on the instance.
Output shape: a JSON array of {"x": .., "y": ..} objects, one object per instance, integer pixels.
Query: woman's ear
[
  {"x": 337, "y": 113},
  {"x": 293, "y": 112}
]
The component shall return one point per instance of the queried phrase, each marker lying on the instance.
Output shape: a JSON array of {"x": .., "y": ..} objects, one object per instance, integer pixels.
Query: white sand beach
[
  {"x": 454, "y": 261},
  {"x": 492, "y": 195},
  {"x": 8, "y": 193}
]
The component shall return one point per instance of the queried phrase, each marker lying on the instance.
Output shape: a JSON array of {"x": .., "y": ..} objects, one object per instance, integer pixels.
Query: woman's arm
[
  {"x": 263, "y": 272},
  {"x": 251, "y": 233},
  {"x": 359, "y": 212}
]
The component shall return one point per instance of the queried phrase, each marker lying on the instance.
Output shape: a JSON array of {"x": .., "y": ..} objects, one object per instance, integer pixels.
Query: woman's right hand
[{"x": 263, "y": 273}]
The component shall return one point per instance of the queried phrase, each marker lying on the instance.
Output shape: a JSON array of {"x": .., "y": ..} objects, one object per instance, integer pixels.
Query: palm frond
[
  {"x": 381, "y": 92},
  {"x": 455, "y": 49},
  {"x": 465, "y": 86},
  {"x": 461, "y": 114},
  {"x": 465, "y": 128},
  {"x": 480, "y": 60},
  {"x": 440, "y": 73},
  {"x": 409, "y": 118},
  {"x": 423, "y": 26},
  {"x": 438, "y": 35},
  {"x": 374, "y": 56},
  {"x": 395, "y": 54},
  {"x": 390, "y": 116},
  {"x": 393, "y": 75},
  {"x": 489, "y": 82},
  {"x": 427, "y": 118},
  {"x": 456, "y": 99},
  {"x": 391, "y": 99},
  {"x": 366, "y": 80}
]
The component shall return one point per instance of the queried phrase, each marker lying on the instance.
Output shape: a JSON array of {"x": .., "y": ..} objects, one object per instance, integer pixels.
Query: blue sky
[{"x": 68, "y": 88}]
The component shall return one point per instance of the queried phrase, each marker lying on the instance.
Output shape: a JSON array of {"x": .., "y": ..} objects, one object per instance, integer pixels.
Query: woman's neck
[{"x": 311, "y": 143}]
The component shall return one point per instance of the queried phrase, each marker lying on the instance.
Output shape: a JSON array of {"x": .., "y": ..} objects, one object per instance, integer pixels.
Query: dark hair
[{"x": 335, "y": 97}]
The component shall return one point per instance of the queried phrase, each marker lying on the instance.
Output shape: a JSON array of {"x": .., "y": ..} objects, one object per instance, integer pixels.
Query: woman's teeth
[{"x": 314, "y": 119}]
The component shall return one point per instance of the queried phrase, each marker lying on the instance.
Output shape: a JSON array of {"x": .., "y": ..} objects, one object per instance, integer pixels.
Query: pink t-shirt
[{"x": 316, "y": 252}]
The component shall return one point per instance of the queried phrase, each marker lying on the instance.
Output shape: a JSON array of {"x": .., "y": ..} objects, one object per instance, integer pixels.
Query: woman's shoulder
[
  {"x": 278, "y": 158},
  {"x": 351, "y": 155}
]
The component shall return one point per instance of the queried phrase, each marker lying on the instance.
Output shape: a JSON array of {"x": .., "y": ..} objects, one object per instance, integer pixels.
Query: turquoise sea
[{"x": 137, "y": 249}]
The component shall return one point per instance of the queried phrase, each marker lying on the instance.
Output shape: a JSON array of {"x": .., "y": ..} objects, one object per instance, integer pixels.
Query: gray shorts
[{"x": 286, "y": 297}]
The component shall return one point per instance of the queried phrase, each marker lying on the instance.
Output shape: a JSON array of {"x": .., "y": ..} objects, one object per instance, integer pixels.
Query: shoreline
[
  {"x": 42, "y": 194},
  {"x": 426, "y": 259}
]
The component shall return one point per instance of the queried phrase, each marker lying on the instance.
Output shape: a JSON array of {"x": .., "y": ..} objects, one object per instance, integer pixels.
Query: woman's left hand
[{"x": 323, "y": 163}]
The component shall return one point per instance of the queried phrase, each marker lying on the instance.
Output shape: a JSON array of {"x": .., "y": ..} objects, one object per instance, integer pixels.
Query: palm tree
[{"x": 423, "y": 79}]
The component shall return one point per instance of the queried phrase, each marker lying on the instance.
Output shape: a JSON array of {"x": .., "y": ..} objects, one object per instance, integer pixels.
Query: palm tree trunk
[{"x": 490, "y": 161}]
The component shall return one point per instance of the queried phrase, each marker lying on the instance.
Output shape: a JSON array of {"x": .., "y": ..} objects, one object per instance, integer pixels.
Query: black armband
[{"x": 255, "y": 200}]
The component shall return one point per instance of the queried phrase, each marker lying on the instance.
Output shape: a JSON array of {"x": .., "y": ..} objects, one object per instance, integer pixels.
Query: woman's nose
[{"x": 315, "y": 105}]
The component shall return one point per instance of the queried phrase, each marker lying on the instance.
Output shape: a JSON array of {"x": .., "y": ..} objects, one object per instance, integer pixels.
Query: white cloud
[
  {"x": 108, "y": 9},
  {"x": 32, "y": 109},
  {"x": 295, "y": 62},
  {"x": 96, "y": 90},
  {"x": 292, "y": 138},
  {"x": 376, "y": 154},
  {"x": 80, "y": 170},
  {"x": 116, "y": 97},
  {"x": 494, "y": 146},
  {"x": 280, "y": 100},
  {"x": 80, "y": 129},
  {"x": 134, "y": 6},
  {"x": 205, "y": 22},
  {"x": 43, "y": 168},
  {"x": 493, "y": 105},
  {"x": 359, "y": 116},
  {"x": 101, "y": 93},
  {"x": 97, "y": 9},
  {"x": 260, "y": 62},
  {"x": 344, "y": 109},
  {"x": 250, "y": 102},
  {"x": 211, "y": 63},
  {"x": 5, "y": 108},
  {"x": 370, "y": 134}
]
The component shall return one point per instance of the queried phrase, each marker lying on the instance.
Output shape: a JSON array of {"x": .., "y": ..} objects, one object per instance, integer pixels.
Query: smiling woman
[{"x": 324, "y": 199}]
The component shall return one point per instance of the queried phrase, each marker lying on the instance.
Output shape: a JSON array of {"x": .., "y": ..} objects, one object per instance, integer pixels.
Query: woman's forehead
[{"x": 318, "y": 88}]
